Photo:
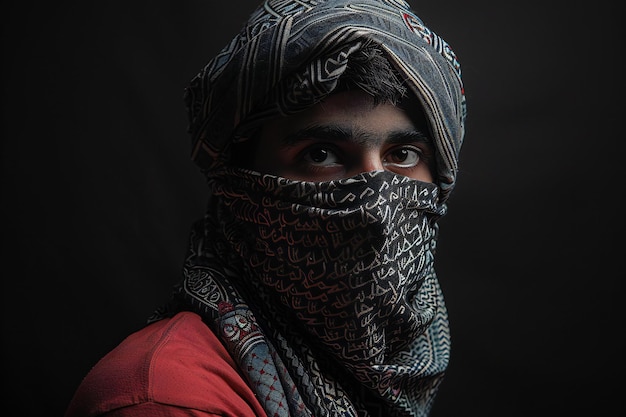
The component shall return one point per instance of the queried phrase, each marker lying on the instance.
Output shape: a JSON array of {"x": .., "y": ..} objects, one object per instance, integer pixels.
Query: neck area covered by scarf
[{"x": 324, "y": 292}]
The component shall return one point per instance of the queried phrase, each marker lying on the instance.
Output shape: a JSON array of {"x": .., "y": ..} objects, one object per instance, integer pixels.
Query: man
[{"x": 329, "y": 133}]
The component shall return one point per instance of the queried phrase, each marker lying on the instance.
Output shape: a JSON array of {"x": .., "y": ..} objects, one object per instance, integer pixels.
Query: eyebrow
[
  {"x": 339, "y": 133},
  {"x": 408, "y": 136}
]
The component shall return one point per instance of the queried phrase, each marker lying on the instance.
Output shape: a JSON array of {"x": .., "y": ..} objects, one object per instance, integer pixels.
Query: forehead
[{"x": 350, "y": 110}]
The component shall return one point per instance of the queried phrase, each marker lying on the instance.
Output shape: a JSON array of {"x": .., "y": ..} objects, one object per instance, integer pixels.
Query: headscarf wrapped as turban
[
  {"x": 324, "y": 293},
  {"x": 291, "y": 54}
]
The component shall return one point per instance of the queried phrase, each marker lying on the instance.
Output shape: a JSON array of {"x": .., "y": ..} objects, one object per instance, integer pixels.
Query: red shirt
[{"x": 174, "y": 367}]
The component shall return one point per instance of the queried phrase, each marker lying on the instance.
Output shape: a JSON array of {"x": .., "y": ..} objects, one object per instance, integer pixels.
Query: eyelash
[
  {"x": 320, "y": 146},
  {"x": 401, "y": 147},
  {"x": 422, "y": 152}
]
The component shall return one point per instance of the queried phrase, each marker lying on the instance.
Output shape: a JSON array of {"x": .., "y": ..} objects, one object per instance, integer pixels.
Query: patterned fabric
[
  {"x": 324, "y": 293},
  {"x": 291, "y": 54}
]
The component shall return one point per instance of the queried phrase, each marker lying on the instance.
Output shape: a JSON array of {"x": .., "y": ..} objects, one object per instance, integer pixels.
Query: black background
[{"x": 98, "y": 194}]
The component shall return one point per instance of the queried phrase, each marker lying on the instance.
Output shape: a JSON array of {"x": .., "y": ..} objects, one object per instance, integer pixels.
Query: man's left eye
[{"x": 405, "y": 157}]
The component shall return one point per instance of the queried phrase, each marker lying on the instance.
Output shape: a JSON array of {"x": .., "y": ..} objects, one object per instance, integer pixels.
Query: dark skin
[{"x": 345, "y": 135}]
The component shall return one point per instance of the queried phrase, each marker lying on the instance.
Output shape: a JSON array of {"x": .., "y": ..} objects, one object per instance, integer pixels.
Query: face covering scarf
[{"x": 324, "y": 293}]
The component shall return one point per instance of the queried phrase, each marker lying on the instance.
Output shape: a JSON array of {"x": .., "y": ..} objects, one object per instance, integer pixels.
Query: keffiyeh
[{"x": 324, "y": 293}]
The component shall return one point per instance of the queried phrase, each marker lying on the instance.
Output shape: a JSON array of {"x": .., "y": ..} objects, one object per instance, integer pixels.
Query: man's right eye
[{"x": 321, "y": 156}]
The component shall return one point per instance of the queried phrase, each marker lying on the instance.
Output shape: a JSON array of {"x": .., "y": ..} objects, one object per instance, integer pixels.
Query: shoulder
[{"x": 176, "y": 363}]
